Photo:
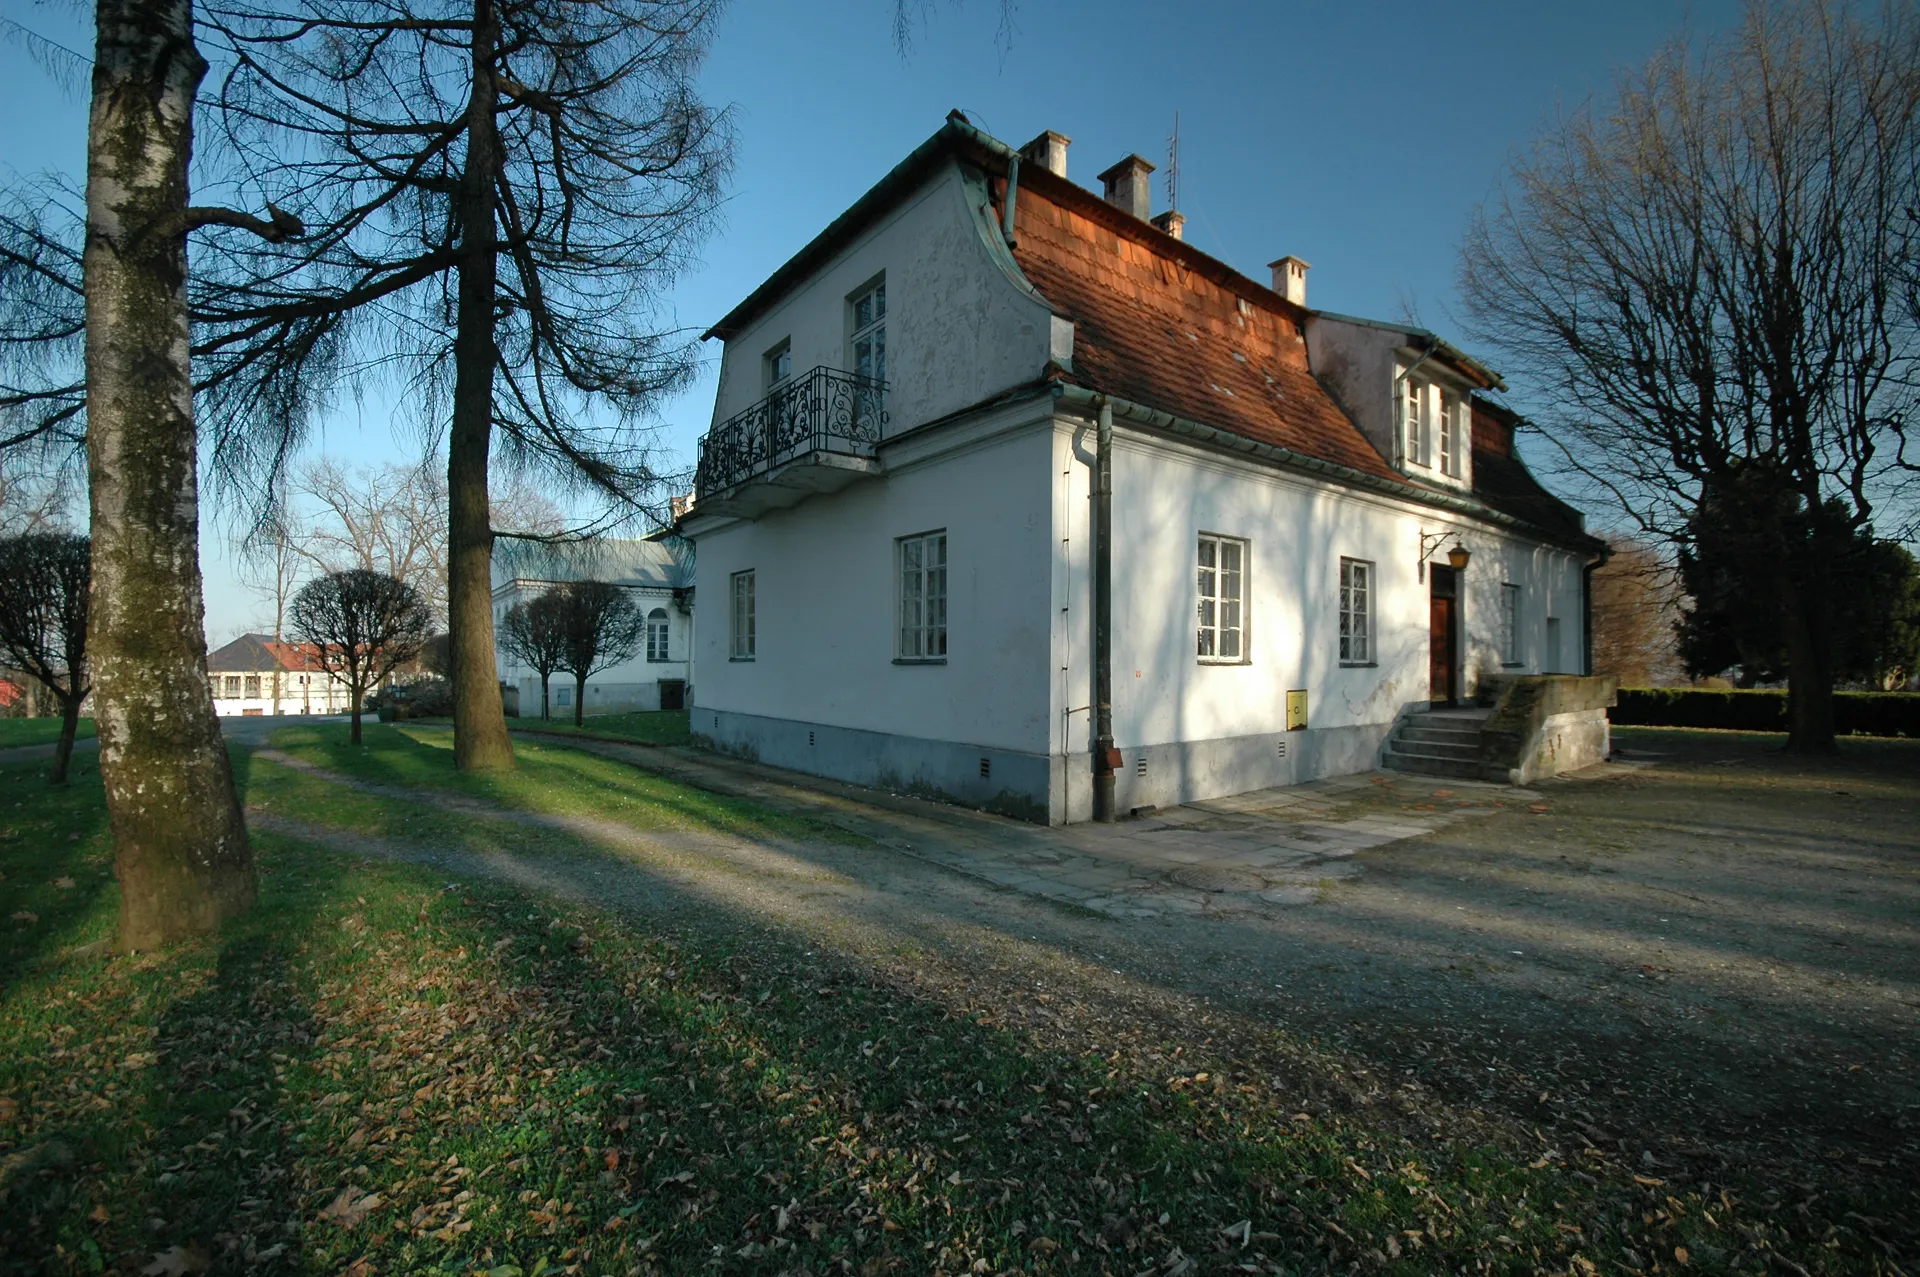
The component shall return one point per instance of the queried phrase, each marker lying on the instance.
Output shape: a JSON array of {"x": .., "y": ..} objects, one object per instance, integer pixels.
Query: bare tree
[
  {"x": 1636, "y": 603},
  {"x": 502, "y": 189},
  {"x": 601, "y": 627},
  {"x": 44, "y": 580},
  {"x": 363, "y": 625},
  {"x": 535, "y": 634},
  {"x": 1705, "y": 280}
]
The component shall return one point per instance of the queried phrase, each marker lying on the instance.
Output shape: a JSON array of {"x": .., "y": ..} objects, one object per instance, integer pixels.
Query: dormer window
[
  {"x": 1449, "y": 434},
  {"x": 779, "y": 364},
  {"x": 1413, "y": 416}
]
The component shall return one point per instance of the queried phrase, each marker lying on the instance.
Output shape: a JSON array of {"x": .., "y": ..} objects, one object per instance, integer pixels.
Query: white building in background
[
  {"x": 896, "y": 510},
  {"x": 255, "y": 675},
  {"x": 657, "y": 572}
]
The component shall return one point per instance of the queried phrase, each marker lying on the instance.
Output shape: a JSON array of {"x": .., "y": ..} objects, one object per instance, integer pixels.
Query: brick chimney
[
  {"x": 1049, "y": 151},
  {"x": 1172, "y": 223},
  {"x": 1128, "y": 187},
  {"x": 1290, "y": 279}
]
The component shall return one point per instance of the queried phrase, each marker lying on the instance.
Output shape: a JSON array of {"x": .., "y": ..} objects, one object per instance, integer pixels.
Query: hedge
[{"x": 1854, "y": 713}]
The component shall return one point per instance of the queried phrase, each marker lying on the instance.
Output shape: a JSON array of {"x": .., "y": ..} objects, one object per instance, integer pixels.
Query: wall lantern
[
  {"x": 1430, "y": 543},
  {"x": 1457, "y": 557}
]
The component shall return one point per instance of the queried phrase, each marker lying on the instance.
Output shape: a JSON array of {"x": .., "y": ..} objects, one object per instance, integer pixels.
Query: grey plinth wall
[{"x": 1544, "y": 724}]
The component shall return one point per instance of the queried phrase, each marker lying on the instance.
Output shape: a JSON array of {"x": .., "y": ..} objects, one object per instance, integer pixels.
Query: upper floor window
[
  {"x": 1509, "y": 624},
  {"x": 1449, "y": 433},
  {"x": 870, "y": 332},
  {"x": 1223, "y": 586},
  {"x": 779, "y": 364},
  {"x": 923, "y": 597},
  {"x": 740, "y": 618},
  {"x": 1413, "y": 416},
  {"x": 657, "y": 634},
  {"x": 1356, "y": 612}
]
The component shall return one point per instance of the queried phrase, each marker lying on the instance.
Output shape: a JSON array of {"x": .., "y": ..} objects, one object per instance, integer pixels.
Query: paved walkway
[
  {"x": 247, "y": 731},
  {"x": 1253, "y": 853}
]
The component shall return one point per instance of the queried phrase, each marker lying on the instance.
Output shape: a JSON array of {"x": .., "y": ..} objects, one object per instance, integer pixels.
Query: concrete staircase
[{"x": 1440, "y": 742}]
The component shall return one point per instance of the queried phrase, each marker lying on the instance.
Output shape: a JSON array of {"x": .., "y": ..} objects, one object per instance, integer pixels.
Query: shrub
[{"x": 1855, "y": 713}]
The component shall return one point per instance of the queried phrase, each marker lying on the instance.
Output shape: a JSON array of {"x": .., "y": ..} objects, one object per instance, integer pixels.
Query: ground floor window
[
  {"x": 1509, "y": 624},
  {"x": 657, "y": 634},
  {"x": 740, "y": 620},
  {"x": 1223, "y": 610},
  {"x": 923, "y": 597},
  {"x": 1356, "y": 612},
  {"x": 563, "y": 697},
  {"x": 232, "y": 685}
]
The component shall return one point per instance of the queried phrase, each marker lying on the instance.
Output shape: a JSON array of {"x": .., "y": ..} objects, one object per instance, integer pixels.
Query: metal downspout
[
  {"x": 1104, "y": 754},
  {"x": 1006, "y": 205}
]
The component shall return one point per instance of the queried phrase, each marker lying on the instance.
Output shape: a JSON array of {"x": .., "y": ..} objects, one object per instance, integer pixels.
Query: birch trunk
[
  {"x": 480, "y": 740},
  {"x": 180, "y": 845}
]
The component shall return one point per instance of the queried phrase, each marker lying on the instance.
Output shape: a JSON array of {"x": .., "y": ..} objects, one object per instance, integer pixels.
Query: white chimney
[
  {"x": 1172, "y": 223},
  {"x": 1128, "y": 187},
  {"x": 1290, "y": 279},
  {"x": 1049, "y": 151}
]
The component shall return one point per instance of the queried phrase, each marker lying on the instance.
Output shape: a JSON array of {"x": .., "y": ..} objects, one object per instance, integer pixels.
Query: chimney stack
[
  {"x": 1290, "y": 279},
  {"x": 1128, "y": 187},
  {"x": 1049, "y": 151},
  {"x": 1172, "y": 223}
]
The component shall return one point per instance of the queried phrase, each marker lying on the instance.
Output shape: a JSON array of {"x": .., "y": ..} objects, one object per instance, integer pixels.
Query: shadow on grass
[{"x": 58, "y": 893}]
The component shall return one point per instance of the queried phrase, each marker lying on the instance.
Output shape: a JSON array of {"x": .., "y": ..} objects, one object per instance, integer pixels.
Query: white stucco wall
[
  {"x": 959, "y": 327},
  {"x": 826, "y": 598},
  {"x": 630, "y": 685}
]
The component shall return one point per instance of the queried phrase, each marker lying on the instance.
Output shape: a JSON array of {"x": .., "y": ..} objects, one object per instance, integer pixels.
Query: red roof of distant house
[{"x": 10, "y": 692}]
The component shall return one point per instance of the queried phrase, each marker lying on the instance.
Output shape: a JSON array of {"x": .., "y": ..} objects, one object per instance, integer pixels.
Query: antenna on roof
[{"x": 1173, "y": 164}]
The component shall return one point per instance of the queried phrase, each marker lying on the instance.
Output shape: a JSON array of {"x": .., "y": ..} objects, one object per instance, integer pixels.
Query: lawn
[
  {"x": 381, "y": 1071},
  {"x": 37, "y": 731},
  {"x": 651, "y": 727}
]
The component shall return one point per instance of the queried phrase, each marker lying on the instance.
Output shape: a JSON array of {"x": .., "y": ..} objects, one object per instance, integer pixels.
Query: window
[
  {"x": 779, "y": 364},
  {"x": 253, "y": 687},
  {"x": 233, "y": 685},
  {"x": 563, "y": 697},
  {"x": 740, "y": 628},
  {"x": 1413, "y": 413},
  {"x": 1356, "y": 612},
  {"x": 1510, "y": 625},
  {"x": 657, "y": 634},
  {"x": 1449, "y": 433},
  {"x": 923, "y": 597},
  {"x": 870, "y": 333},
  {"x": 1223, "y": 585}
]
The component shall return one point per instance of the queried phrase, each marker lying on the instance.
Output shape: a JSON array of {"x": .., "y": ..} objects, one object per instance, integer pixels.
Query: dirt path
[{"x": 1711, "y": 966}]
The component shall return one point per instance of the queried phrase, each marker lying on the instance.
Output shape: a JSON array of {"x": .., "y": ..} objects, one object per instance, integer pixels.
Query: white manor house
[{"x": 993, "y": 452}]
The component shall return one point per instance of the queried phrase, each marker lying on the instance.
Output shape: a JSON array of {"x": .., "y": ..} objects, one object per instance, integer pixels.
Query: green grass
[
  {"x": 650, "y": 727},
  {"x": 378, "y": 1071},
  {"x": 38, "y": 731}
]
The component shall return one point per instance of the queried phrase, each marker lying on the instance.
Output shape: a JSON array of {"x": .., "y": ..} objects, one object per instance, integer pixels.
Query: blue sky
[{"x": 1360, "y": 137}]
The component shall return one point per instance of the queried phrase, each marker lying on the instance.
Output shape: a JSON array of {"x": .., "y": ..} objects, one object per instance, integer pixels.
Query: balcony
[{"x": 816, "y": 433}]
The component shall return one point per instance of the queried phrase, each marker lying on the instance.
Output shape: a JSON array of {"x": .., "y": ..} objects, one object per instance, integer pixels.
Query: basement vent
[
  {"x": 1283, "y": 749},
  {"x": 809, "y": 740},
  {"x": 986, "y": 768},
  {"x": 1140, "y": 766}
]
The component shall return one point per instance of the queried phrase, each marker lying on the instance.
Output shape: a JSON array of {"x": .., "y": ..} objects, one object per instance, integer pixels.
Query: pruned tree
[
  {"x": 602, "y": 627},
  {"x": 501, "y": 191},
  {"x": 362, "y": 625},
  {"x": 534, "y": 633},
  {"x": 1703, "y": 280},
  {"x": 44, "y": 586}
]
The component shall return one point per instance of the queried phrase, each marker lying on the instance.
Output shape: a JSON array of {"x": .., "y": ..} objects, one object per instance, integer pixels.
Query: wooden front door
[{"x": 1441, "y": 630}]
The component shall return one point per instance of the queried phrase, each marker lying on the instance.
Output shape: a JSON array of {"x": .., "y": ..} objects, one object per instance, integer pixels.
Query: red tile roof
[{"x": 1153, "y": 325}]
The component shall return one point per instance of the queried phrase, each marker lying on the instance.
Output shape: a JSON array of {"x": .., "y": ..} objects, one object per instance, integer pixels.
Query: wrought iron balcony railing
[{"x": 824, "y": 410}]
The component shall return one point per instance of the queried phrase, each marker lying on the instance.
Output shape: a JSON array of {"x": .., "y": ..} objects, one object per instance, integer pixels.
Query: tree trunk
[
  {"x": 63, "y": 752},
  {"x": 544, "y": 712},
  {"x": 180, "y": 845},
  {"x": 359, "y": 695},
  {"x": 579, "y": 702},
  {"x": 480, "y": 740},
  {"x": 1809, "y": 673}
]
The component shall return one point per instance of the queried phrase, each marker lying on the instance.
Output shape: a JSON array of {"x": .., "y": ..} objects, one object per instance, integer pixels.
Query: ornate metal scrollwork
[{"x": 824, "y": 410}]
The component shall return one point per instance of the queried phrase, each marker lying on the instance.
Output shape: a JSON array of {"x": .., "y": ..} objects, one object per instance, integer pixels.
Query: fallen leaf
[
  {"x": 65, "y": 884},
  {"x": 9, "y": 1108},
  {"x": 99, "y": 1214},
  {"x": 1539, "y": 808},
  {"x": 24, "y": 916},
  {"x": 612, "y": 1159},
  {"x": 1680, "y": 1254},
  {"x": 177, "y": 1261},
  {"x": 350, "y": 1207}
]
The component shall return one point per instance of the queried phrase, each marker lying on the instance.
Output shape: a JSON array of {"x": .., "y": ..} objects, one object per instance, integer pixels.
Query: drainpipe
[
  {"x": 1104, "y": 754},
  {"x": 1006, "y": 207}
]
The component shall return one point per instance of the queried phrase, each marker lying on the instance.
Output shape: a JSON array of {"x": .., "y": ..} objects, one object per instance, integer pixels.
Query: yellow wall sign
[{"x": 1297, "y": 711}]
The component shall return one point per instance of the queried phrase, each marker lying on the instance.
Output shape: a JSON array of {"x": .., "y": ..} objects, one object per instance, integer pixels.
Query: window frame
[
  {"x": 874, "y": 330},
  {"x": 742, "y": 633},
  {"x": 1449, "y": 433},
  {"x": 1413, "y": 421},
  {"x": 1216, "y": 572},
  {"x": 1510, "y": 602},
  {"x": 1346, "y": 613},
  {"x": 666, "y": 637},
  {"x": 777, "y": 364},
  {"x": 926, "y": 629}
]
